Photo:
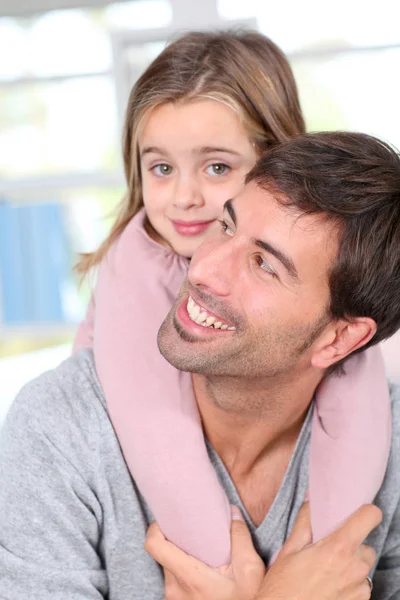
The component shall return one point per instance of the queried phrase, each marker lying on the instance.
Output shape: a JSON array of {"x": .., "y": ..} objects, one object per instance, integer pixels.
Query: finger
[
  {"x": 169, "y": 556},
  {"x": 300, "y": 535},
  {"x": 357, "y": 527},
  {"x": 366, "y": 589},
  {"x": 368, "y": 555},
  {"x": 172, "y": 589},
  {"x": 241, "y": 540}
]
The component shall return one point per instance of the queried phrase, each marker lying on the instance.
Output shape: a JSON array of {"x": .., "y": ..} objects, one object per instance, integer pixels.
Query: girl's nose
[{"x": 188, "y": 194}]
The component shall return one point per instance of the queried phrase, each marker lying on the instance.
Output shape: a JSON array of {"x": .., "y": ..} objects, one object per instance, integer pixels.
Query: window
[
  {"x": 61, "y": 175},
  {"x": 344, "y": 56}
]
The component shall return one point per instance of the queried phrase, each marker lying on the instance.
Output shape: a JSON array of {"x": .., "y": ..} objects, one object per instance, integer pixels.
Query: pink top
[{"x": 155, "y": 415}]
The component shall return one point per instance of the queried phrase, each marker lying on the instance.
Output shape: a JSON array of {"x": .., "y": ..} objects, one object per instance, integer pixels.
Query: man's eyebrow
[
  {"x": 228, "y": 206},
  {"x": 281, "y": 256}
]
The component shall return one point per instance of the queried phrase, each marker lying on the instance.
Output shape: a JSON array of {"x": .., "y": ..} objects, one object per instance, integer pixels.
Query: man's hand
[
  {"x": 189, "y": 579},
  {"x": 336, "y": 568}
]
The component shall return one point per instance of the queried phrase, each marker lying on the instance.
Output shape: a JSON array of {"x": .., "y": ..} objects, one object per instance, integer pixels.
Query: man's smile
[
  {"x": 205, "y": 318},
  {"x": 198, "y": 320}
]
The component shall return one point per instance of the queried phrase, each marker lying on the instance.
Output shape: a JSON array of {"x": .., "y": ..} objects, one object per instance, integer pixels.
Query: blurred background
[{"x": 66, "y": 68}]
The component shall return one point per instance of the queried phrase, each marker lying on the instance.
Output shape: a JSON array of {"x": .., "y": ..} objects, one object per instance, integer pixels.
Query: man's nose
[
  {"x": 213, "y": 267},
  {"x": 187, "y": 193}
]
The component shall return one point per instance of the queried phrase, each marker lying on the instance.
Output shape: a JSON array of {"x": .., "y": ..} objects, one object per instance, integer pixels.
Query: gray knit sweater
[{"x": 73, "y": 524}]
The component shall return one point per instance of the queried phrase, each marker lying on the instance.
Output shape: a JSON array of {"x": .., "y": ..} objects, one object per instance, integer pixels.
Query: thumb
[
  {"x": 241, "y": 541},
  {"x": 300, "y": 535}
]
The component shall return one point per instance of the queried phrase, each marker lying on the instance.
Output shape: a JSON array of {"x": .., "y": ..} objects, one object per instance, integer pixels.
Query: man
[{"x": 306, "y": 270}]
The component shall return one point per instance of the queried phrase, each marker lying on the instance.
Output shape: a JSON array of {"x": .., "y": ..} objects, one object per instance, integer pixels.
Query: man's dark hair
[{"x": 353, "y": 179}]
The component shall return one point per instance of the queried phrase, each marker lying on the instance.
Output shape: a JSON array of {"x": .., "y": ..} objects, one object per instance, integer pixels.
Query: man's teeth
[{"x": 201, "y": 317}]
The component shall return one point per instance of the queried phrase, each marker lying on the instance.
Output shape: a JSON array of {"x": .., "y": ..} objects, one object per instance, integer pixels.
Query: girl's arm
[
  {"x": 84, "y": 335},
  {"x": 151, "y": 404},
  {"x": 350, "y": 441}
]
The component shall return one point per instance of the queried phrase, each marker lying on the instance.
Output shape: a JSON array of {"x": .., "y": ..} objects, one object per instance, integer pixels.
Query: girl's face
[{"x": 193, "y": 157}]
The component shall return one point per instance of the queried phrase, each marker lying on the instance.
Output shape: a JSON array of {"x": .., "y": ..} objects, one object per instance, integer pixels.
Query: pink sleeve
[
  {"x": 151, "y": 404},
  {"x": 84, "y": 335},
  {"x": 350, "y": 441}
]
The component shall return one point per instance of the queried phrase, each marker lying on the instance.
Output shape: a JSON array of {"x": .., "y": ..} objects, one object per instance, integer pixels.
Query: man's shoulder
[
  {"x": 394, "y": 458},
  {"x": 394, "y": 390},
  {"x": 60, "y": 400}
]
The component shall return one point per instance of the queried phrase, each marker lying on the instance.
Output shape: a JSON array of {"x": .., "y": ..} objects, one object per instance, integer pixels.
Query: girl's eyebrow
[
  {"x": 211, "y": 149},
  {"x": 152, "y": 150},
  {"x": 201, "y": 150}
]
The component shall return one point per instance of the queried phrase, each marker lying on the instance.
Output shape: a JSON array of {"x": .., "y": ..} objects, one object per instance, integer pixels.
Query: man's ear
[{"x": 342, "y": 339}]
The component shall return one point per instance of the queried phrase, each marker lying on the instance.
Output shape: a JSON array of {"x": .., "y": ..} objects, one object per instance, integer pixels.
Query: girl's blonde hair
[{"x": 243, "y": 69}]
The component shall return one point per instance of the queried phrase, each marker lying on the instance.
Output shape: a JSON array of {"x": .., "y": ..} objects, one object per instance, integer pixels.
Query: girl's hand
[{"x": 189, "y": 579}]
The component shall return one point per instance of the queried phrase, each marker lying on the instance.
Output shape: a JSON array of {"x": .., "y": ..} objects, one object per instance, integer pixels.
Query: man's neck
[{"x": 249, "y": 422}]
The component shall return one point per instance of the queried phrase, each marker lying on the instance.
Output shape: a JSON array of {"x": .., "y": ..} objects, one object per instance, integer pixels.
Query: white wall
[
  {"x": 391, "y": 355},
  {"x": 16, "y": 371}
]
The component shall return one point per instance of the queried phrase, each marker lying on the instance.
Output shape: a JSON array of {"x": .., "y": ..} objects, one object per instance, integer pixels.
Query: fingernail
[
  {"x": 307, "y": 496},
  {"x": 236, "y": 513}
]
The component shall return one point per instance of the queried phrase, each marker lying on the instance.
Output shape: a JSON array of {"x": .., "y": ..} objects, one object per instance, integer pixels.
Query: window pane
[
  {"x": 13, "y": 45},
  {"x": 40, "y": 240},
  {"x": 139, "y": 14},
  {"x": 58, "y": 127},
  {"x": 312, "y": 24},
  {"x": 65, "y": 42},
  {"x": 355, "y": 91},
  {"x": 68, "y": 42}
]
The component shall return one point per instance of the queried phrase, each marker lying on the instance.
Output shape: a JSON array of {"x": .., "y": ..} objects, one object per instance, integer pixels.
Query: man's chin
[
  {"x": 175, "y": 344},
  {"x": 168, "y": 340}
]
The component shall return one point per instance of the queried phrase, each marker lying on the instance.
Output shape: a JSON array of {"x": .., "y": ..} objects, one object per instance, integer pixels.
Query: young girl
[{"x": 197, "y": 120}]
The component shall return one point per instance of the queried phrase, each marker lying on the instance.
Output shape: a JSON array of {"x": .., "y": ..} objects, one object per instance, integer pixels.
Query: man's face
[{"x": 255, "y": 302}]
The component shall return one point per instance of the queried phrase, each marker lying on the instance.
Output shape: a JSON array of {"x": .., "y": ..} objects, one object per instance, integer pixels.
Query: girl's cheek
[
  {"x": 209, "y": 244},
  {"x": 154, "y": 193}
]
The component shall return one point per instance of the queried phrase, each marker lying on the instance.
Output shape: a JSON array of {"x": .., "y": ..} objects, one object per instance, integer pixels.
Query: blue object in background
[
  {"x": 46, "y": 264},
  {"x": 33, "y": 262},
  {"x": 13, "y": 286}
]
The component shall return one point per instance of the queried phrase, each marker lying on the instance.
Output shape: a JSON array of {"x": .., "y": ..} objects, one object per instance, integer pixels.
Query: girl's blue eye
[
  {"x": 162, "y": 169},
  {"x": 217, "y": 169}
]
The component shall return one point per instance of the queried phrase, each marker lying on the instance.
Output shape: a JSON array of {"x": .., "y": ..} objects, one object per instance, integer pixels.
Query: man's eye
[
  {"x": 217, "y": 169},
  {"x": 225, "y": 228},
  {"x": 162, "y": 169},
  {"x": 264, "y": 265}
]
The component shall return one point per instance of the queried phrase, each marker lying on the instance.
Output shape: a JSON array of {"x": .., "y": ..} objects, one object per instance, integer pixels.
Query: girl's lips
[{"x": 191, "y": 227}]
